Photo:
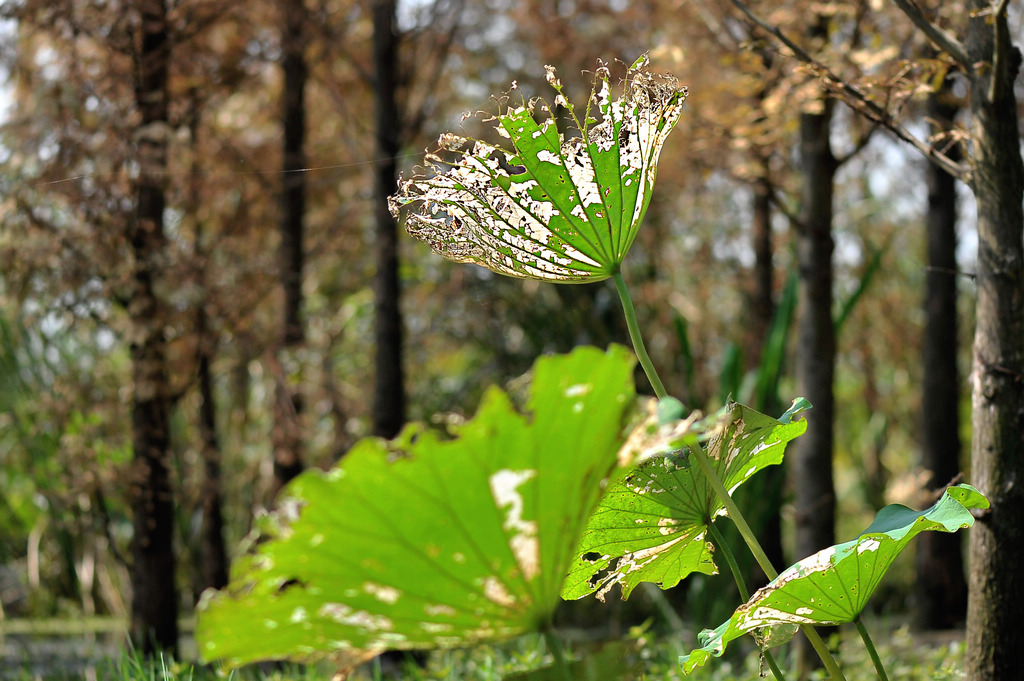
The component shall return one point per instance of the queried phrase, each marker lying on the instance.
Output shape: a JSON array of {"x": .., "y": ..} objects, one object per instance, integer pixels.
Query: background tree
[
  {"x": 108, "y": 101},
  {"x": 816, "y": 343},
  {"x": 213, "y": 554},
  {"x": 70, "y": 449},
  {"x": 154, "y": 622},
  {"x": 991, "y": 64},
  {"x": 389, "y": 389},
  {"x": 996, "y": 588},
  {"x": 940, "y": 586},
  {"x": 288, "y": 458}
]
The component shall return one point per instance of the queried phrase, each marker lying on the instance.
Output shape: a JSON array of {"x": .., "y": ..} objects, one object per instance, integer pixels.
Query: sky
[{"x": 6, "y": 35}]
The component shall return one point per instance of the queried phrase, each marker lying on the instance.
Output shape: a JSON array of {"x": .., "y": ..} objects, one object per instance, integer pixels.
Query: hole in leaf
[
  {"x": 599, "y": 577},
  {"x": 505, "y": 165},
  {"x": 288, "y": 584}
]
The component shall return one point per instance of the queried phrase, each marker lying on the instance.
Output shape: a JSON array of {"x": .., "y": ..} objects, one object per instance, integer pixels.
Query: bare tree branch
[
  {"x": 794, "y": 220},
  {"x": 337, "y": 44},
  {"x": 996, "y": 85},
  {"x": 721, "y": 34},
  {"x": 857, "y": 100},
  {"x": 857, "y": 147},
  {"x": 944, "y": 40},
  {"x": 417, "y": 114}
]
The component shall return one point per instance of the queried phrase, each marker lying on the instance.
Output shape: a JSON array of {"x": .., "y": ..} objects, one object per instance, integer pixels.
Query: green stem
[
  {"x": 558, "y": 654},
  {"x": 879, "y": 668},
  {"x": 759, "y": 555},
  {"x": 733, "y": 510},
  {"x": 634, "y": 334},
  {"x": 737, "y": 575},
  {"x": 773, "y": 665},
  {"x": 824, "y": 654},
  {"x": 731, "y": 560},
  {"x": 712, "y": 477}
]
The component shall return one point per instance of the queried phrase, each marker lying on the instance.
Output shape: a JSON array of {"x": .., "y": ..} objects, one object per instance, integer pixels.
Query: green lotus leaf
[
  {"x": 424, "y": 541},
  {"x": 651, "y": 526},
  {"x": 546, "y": 205},
  {"x": 833, "y": 585}
]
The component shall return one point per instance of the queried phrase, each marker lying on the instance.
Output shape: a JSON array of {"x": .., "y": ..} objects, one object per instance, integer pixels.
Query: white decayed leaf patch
[{"x": 549, "y": 206}]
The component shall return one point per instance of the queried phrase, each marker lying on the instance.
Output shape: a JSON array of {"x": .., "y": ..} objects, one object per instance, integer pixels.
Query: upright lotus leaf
[
  {"x": 833, "y": 585},
  {"x": 547, "y": 205},
  {"x": 427, "y": 542},
  {"x": 651, "y": 526}
]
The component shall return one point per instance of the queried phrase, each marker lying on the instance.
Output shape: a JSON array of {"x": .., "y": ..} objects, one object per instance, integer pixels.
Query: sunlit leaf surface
[
  {"x": 428, "y": 542},
  {"x": 652, "y": 525},
  {"x": 833, "y": 585},
  {"x": 548, "y": 205}
]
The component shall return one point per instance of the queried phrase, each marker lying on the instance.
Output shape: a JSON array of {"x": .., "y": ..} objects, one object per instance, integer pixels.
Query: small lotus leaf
[
  {"x": 833, "y": 585},
  {"x": 651, "y": 526}
]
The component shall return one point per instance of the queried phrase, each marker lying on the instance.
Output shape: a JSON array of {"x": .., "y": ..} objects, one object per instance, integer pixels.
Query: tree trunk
[
  {"x": 768, "y": 490},
  {"x": 389, "y": 391},
  {"x": 213, "y": 558},
  {"x": 213, "y": 553},
  {"x": 812, "y": 469},
  {"x": 154, "y": 620},
  {"x": 816, "y": 346},
  {"x": 288, "y": 459},
  {"x": 995, "y": 637},
  {"x": 770, "y": 484},
  {"x": 940, "y": 590},
  {"x": 763, "y": 298}
]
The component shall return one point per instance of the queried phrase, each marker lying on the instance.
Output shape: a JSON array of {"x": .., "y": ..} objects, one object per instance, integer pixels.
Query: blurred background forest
[{"x": 202, "y": 291}]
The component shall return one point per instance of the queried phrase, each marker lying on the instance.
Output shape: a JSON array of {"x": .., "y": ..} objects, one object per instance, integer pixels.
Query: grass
[
  {"x": 648, "y": 658},
  {"x": 62, "y": 626}
]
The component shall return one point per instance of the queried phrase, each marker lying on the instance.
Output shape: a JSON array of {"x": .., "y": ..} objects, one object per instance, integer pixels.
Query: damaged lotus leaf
[
  {"x": 651, "y": 526},
  {"x": 833, "y": 585},
  {"x": 547, "y": 205},
  {"x": 427, "y": 542}
]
